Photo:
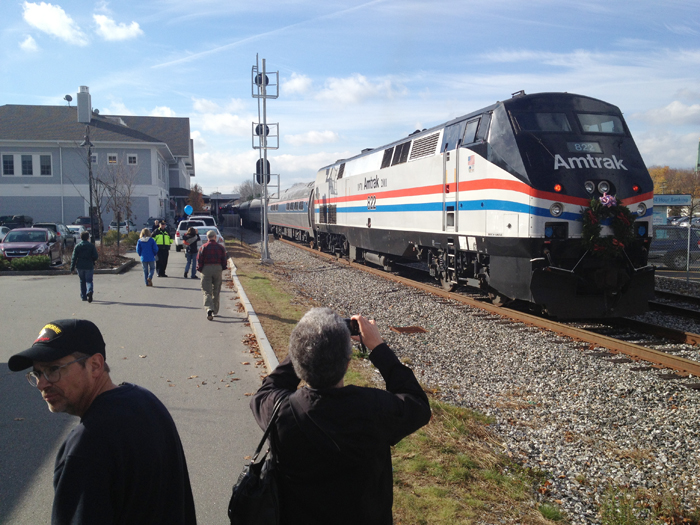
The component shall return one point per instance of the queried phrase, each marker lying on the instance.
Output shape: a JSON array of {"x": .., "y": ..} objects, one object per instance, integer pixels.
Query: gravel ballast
[{"x": 588, "y": 423}]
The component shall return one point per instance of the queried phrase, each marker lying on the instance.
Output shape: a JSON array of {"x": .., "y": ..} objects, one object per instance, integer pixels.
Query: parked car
[
  {"x": 683, "y": 221},
  {"x": 19, "y": 221},
  {"x": 124, "y": 226},
  {"x": 674, "y": 219},
  {"x": 63, "y": 235},
  {"x": 77, "y": 230},
  {"x": 182, "y": 229},
  {"x": 85, "y": 223},
  {"x": 207, "y": 219},
  {"x": 4, "y": 230},
  {"x": 22, "y": 242},
  {"x": 670, "y": 246},
  {"x": 202, "y": 231}
]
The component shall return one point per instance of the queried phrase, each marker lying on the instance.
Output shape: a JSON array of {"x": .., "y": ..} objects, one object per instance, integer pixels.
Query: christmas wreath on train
[{"x": 607, "y": 210}]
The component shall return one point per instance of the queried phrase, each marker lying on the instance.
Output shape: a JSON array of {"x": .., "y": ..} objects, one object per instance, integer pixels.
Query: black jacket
[{"x": 334, "y": 444}]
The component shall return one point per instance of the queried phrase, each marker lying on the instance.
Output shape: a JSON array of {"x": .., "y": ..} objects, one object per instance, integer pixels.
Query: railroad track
[
  {"x": 667, "y": 302},
  {"x": 683, "y": 367}
]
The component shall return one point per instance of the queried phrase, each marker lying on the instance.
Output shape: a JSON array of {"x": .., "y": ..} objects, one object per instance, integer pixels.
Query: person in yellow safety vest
[{"x": 163, "y": 240}]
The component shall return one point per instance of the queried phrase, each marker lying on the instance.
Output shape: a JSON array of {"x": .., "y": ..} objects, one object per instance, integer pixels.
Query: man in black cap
[{"x": 124, "y": 462}]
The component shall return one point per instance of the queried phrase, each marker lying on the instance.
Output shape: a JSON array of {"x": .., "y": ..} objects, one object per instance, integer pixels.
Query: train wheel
[
  {"x": 498, "y": 300},
  {"x": 447, "y": 284}
]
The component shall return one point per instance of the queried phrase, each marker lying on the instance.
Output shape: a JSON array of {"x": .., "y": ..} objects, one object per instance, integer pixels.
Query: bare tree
[
  {"x": 196, "y": 198},
  {"x": 116, "y": 182},
  {"x": 249, "y": 190}
]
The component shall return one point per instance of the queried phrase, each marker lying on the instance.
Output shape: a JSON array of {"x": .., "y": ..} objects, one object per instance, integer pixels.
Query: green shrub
[
  {"x": 131, "y": 239},
  {"x": 4, "y": 263},
  {"x": 32, "y": 262},
  {"x": 128, "y": 240}
]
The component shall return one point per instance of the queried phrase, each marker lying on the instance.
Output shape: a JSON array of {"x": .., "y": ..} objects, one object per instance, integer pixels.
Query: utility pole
[{"x": 265, "y": 134}]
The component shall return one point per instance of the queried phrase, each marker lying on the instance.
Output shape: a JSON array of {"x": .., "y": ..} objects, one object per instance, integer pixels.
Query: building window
[
  {"x": 111, "y": 159},
  {"x": 45, "y": 164},
  {"x": 8, "y": 164},
  {"x": 93, "y": 159},
  {"x": 132, "y": 160},
  {"x": 27, "y": 166}
]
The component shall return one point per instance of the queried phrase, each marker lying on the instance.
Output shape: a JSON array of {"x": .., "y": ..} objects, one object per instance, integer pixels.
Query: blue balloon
[{"x": 188, "y": 210}]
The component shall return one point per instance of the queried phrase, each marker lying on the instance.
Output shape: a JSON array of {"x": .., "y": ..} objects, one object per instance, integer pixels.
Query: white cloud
[
  {"x": 675, "y": 113},
  {"x": 162, "y": 111},
  {"x": 312, "y": 137},
  {"x": 202, "y": 105},
  {"x": 199, "y": 142},
  {"x": 224, "y": 124},
  {"x": 226, "y": 170},
  {"x": 110, "y": 30},
  {"x": 29, "y": 45},
  {"x": 116, "y": 107},
  {"x": 355, "y": 89},
  {"x": 53, "y": 20},
  {"x": 300, "y": 84},
  {"x": 235, "y": 104},
  {"x": 665, "y": 148}
]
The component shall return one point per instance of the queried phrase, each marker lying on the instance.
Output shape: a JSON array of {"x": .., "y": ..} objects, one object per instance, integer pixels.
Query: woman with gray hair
[{"x": 333, "y": 442}]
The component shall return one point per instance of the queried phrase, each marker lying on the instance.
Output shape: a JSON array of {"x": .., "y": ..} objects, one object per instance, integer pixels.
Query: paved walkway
[{"x": 156, "y": 337}]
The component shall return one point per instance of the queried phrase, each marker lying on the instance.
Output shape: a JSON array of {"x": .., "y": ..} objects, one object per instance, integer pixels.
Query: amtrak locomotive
[{"x": 521, "y": 199}]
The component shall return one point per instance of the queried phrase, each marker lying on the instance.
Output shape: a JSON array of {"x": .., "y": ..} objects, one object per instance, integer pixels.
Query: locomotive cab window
[
  {"x": 591, "y": 123},
  {"x": 470, "y": 131},
  {"x": 542, "y": 122}
]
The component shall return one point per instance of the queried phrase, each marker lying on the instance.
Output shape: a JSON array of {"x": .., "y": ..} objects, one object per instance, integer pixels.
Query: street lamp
[{"x": 86, "y": 142}]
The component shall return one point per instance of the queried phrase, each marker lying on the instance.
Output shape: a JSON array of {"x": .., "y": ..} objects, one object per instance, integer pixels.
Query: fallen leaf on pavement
[
  {"x": 19, "y": 419},
  {"x": 142, "y": 356},
  {"x": 245, "y": 363},
  {"x": 192, "y": 377}
]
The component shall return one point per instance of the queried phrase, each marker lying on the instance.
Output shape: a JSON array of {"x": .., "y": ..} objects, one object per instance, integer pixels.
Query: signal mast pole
[{"x": 262, "y": 131}]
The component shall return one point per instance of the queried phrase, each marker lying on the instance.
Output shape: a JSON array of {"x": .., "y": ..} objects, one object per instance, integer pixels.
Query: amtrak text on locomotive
[{"x": 588, "y": 162}]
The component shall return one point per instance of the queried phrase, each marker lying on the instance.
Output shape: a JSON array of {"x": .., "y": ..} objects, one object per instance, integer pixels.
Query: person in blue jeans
[
  {"x": 192, "y": 240},
  {"x": 83, "y": 259},
  {"x": 147, "y": 249}
]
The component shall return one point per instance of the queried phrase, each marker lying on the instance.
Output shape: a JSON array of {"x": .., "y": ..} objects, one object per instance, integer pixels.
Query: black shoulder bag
[{"x": 255, "y": 499}]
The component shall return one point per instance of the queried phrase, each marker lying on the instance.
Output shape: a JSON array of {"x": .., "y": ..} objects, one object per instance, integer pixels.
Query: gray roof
[{"x": 61, "y": 123}]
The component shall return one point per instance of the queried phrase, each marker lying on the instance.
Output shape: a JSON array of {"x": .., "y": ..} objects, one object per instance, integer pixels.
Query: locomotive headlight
[
  {"x": 590, "y": 186},
  {"x": 641, "y": 209},
  {"x": 604, "y": 186},
  {"x": 556, "y": 209}
]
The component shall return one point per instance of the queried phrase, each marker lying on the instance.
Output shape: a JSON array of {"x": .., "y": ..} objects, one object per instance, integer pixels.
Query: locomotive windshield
[
  {"x": 594, "y": 123},
  {"x": 542, "y": 122}
]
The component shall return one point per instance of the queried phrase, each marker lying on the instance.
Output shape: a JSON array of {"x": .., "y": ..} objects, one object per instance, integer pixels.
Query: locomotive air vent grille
[
  {"x": 341, "y": 170},
  {"x": 425, "y": 146}
]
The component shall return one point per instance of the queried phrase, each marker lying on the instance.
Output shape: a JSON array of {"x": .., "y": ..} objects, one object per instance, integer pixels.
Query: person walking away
[
  {"x": 211, "y": 264},
  {"x": 333, "y": 442},
  {"x": 163, "y": 240},
  {"x": 147, "y": 249},
  {"x": 124, "y": 462},
  {"x": 192, "y": 240},
  {"x": 84, "y": 257}
]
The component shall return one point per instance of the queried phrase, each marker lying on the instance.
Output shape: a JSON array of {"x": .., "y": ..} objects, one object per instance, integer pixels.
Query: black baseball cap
[{"x": 59, "y": 339}]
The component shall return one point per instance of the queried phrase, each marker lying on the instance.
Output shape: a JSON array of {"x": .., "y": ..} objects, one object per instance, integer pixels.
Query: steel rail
[{"x": 681, "y": 364}]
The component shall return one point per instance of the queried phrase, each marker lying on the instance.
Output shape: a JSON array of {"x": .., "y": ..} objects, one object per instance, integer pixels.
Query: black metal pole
[{"x": 89, "y": 159}]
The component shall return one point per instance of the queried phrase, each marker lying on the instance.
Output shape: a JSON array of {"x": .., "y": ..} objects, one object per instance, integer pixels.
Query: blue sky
[{"x": 354, "y": 74}]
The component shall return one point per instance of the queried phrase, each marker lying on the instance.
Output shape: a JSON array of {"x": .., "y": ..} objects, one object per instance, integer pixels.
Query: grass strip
[{"x": 446, "y": 473}]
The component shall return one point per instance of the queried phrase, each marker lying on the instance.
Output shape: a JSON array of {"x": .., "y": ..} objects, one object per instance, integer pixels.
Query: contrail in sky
[{"x": 262, "y": 35}]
